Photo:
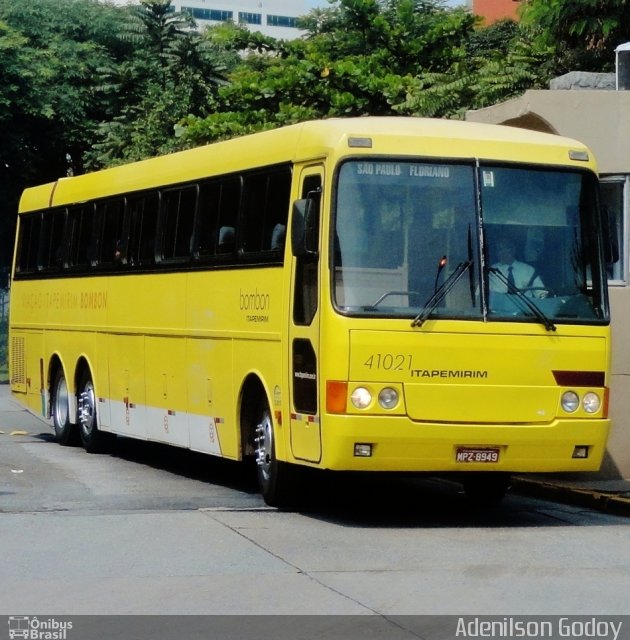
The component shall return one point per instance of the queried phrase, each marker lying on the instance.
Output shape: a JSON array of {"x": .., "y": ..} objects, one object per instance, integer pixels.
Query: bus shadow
[
  {"x": 179, "y": 462},
  {"x": 388, "y": 500},
  {"x": 189, "y": 464},
  {"x": 359, "y": 499},
  {"x": 397, "y": 501}
]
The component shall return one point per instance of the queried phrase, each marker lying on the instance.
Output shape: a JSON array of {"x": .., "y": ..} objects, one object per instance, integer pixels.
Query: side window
[
  {"x": 254, "y": 201},
  {"x": 277, "y": 211},
  {"x": 28, "y": 243},
  {"x": 228, "y": 215},
  {"x": 177, "y": 213},
  {"x": 615, "y": 192},
  {"x": 207, "y": 216},
  {"x": 305, "y": 293},
  {"x": 80, "y": 232},
  {"x": 142, "y": 214},
  {"x": 52, "y": 245},
  {"x": 110, "y": 239},
  {"x": 266, "y": 199}
]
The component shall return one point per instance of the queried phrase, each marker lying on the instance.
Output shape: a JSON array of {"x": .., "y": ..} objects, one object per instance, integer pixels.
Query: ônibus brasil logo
[{"x": 34, "y": 628}]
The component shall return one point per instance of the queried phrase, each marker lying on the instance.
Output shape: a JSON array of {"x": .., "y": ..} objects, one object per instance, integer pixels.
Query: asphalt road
[{"x": 154, "y": 530}]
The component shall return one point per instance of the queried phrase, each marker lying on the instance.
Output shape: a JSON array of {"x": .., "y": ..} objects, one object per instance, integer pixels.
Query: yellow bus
[{"x": 370, "y": 294}]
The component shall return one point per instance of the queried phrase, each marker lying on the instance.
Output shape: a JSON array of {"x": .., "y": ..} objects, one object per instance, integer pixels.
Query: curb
[{"x": 610, "y": 503}]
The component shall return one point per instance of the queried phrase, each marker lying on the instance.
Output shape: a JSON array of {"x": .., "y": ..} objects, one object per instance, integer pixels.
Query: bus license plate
[{"x": 467, "y": 454}]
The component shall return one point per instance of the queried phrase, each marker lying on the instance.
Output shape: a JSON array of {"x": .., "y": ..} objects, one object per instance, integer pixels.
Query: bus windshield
[{"x": 467, "y": 241}]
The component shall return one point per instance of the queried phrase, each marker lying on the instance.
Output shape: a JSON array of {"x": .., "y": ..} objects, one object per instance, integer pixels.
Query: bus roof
[{"x": 397, "y": 136}]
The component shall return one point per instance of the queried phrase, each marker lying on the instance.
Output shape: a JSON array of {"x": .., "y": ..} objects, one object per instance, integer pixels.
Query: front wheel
[
  {"x": 65, "y": 431},
  {"x": 93, "y": 440},
  {"x": 276, "y": 479}
]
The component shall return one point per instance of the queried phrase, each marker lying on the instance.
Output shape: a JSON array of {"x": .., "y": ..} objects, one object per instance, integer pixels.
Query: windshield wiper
[
  {"x": 440, "y": 293},
  {"x": 529, "y": 303}
]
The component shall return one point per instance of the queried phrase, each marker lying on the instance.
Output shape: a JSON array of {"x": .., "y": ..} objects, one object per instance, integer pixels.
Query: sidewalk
[{"x": 609, "y": 496}]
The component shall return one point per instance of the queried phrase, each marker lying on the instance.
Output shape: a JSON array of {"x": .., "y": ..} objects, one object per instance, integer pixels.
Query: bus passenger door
[{"x": 304, "y": 321}]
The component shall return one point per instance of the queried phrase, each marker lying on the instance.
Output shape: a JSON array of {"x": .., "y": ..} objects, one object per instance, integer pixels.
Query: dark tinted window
[
  {"x": 142, "y": 213},
  {"x": 110, "y": 240},
  {"x": 177, "y": 216},
  {"x": 265, "y": 209},
  {"x": 228, "y": 215},
  {"x": 28, "y": 243},
  {"x": 206, "y": 222},
  {"x": 207, "y": 216},
  {"x": 80, "y": 232},
  {"x": 52, "y": 240}
]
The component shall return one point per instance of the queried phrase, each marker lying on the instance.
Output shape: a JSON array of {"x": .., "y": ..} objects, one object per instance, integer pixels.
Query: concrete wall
[
  {"x": 619, "y": 443},
  {"x": 597, "y": 118},
  {"x": 600, "y": 120}
]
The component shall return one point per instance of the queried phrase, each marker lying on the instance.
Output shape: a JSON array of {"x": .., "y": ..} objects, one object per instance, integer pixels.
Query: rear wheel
[
  {"x": 65, "y": 431},
  {"x": 93, "y": 440},
  {"x": 275, "y": 478}
]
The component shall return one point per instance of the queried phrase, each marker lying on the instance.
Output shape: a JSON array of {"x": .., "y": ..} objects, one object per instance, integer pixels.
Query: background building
[
  {"x": 277, "y": 18},
  {"x": 493, "y": 10}
]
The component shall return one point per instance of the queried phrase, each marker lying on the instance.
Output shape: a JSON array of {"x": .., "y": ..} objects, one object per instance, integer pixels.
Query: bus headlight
[
  {"x": 388, "y": 398},
  {"x": 570, "y": 401},
  {"x": 591, "y": 402},
  {"x": 361, "y": 398}
]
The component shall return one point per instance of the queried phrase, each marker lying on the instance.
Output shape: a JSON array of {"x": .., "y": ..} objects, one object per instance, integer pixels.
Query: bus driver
[{"x": 518, "y": 275}]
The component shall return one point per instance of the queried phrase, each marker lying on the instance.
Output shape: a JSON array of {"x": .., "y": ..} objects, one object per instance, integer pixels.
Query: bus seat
[
  {"x": 278, "y": 236},
  {"x": 226, "y": 240}
]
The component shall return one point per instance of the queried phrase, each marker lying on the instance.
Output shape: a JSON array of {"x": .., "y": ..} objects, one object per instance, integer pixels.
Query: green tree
[
  {"x": 495, "y": 39},
  {"x": 173, "y": 72},
  {"x": 50, "y": 52},
  {"x": 580, "y": 34},
  {"x": 14, "y": 90},
  {"x": 505, "y": 62},
  {"x": 360, "y": 57},
  {"x": 49, "y": 78}
]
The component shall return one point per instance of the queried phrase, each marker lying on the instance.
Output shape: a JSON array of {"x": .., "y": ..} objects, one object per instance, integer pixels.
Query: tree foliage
[
  {"x": 173, "y": 72},
  {"x": 50, "y": 50},
  {"x": 360, "y": 57},
  {"x": 580, "y": 34},
  {"x": 87, "y": 84},
  {"x": 377, "y": 57}
]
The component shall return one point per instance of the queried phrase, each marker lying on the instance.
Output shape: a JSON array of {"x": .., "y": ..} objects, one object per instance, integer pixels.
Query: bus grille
[{"x": 18, "y": 366}]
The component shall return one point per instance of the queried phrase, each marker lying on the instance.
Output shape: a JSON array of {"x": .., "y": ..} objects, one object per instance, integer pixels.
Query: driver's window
[{"x": 306, "y": 281}]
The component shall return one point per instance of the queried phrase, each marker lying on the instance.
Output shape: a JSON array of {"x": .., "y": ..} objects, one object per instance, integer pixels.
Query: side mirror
[{"x": 305, "y": 226}]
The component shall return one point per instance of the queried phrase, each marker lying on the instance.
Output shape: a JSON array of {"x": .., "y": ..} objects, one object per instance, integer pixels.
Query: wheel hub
[
  {"x": 263, "y": 443},
  {"x": 61, "y": 402},
  {"x": 87, "y": 409}
]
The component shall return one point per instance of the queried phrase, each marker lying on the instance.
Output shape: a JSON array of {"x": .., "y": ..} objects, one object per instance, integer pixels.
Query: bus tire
[
  {"x": 275, "y": 478},
  {"x": 92, "y": 439},
  {"x": 65, "y": 431},
  {"x": 486, "y": 489}
]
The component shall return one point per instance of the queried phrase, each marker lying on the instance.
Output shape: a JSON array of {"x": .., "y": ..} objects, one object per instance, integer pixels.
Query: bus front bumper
[{"x": 373, "y": 443}]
